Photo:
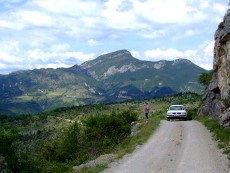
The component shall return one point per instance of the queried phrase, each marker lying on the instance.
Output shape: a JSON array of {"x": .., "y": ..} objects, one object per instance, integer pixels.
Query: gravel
[{"x": 176, "y": 147}]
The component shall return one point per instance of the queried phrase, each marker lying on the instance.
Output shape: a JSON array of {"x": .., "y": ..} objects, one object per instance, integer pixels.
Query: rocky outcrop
[
  {"x": 113, "y": 70},
  {"x": 216, "y": 100},
  {"x": 102, "y": 160}
]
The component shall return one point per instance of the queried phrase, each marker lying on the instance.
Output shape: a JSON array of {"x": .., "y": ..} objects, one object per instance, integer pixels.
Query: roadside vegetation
[
  {"x": 220, "y": 134},
  {"x": 205, "y": 78},
  {"x": 57, "y": 140}
]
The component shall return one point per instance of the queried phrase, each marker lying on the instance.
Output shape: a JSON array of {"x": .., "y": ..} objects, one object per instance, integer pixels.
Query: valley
[
  {"x": 65, "y": 138},
  {"x": 112, "y": 77}
]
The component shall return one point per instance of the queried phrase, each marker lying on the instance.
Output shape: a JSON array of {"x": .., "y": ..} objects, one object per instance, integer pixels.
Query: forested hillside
[
  {"x": 112, "y": 77},
  {"x": 57, "y": 140}
]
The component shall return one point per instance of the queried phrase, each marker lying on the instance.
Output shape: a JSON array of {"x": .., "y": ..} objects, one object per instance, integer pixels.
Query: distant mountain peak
[
  {"x": 115, "y": 54},
  {"x": 159, "y": 64},
  {"x": 105, "y": 57},
  {"x": 122, "y": 51},
  {"x": 181, "y": 60}
]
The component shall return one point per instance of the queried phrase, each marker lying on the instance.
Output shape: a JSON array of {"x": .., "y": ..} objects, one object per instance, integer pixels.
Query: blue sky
[{"x": 62, "y": 33}]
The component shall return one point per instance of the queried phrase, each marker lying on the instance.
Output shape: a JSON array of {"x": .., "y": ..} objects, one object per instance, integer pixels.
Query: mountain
[
  {"x": 119, "y": 71},
  {"x": 32, "y": 91},
  {"x": 115, "y": 76}
]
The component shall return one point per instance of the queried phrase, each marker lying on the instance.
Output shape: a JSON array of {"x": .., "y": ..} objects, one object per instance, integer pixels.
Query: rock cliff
[{"x": 216, "y": 100}]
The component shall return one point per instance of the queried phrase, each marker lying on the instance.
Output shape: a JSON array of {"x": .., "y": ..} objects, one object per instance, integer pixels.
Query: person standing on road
[{"x": 147, "y": 110}]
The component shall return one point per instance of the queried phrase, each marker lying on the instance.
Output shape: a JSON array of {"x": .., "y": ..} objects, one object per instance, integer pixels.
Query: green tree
[
  {"x": 8, "y": 147},
  {"x": 70, "y": 144},
  {"x": 205, "y": 78},
  {"x": 104, "y": 130}
]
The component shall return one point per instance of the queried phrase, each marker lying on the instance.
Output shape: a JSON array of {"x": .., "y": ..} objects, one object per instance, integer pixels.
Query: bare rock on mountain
[{"x": 216, "y": 100}]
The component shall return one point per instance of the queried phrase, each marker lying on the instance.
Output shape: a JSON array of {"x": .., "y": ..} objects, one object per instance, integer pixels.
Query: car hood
[{"x": 171, "y": 111}]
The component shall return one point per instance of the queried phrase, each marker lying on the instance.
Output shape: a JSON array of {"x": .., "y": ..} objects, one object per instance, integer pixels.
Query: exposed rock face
[
  {"x": 113, "y": 70},
  {"x": 216, "y": 100}
]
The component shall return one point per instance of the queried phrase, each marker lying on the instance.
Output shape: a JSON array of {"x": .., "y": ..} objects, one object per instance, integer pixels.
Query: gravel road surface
[{"x": 176, "y": 147}]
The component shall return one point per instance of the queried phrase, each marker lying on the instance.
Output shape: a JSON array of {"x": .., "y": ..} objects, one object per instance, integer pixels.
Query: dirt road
[{"x": 176, "y": 147}]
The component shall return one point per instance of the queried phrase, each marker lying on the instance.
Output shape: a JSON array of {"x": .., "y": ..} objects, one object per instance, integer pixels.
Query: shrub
[
  {"x": 128, "y": 116},
  {"x": 3, "y": 117},
  {"x": 48, "y": 151},
  {"x": 191, "y": 113},
  {"x": 104, "y": 130},
  {"x": 8, "y": 148},
  {"x": 70, "y": 144},
  {"x": 205, "y": 78}
]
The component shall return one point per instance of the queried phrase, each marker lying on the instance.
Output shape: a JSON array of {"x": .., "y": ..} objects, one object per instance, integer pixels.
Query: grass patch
[
  {"x": 54, "y": 94},
  {"x": 24, "y": 98},
  {"x": 146, "y": 129},
  {"x": 96, "y": 169}
]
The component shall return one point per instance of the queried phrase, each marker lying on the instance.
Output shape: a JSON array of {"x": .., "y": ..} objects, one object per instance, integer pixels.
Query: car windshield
[{"x": 176, "y": 108}]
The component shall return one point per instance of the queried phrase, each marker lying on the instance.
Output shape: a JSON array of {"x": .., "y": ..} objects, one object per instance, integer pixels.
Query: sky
[{"x": 38, "y": 34}]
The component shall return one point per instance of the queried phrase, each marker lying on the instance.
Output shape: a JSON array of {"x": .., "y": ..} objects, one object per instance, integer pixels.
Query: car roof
[{"x": 177, "y": 106}]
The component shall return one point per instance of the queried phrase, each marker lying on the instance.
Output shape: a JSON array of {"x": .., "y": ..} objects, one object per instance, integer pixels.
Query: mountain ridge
[{"x": 111, "y": 77}]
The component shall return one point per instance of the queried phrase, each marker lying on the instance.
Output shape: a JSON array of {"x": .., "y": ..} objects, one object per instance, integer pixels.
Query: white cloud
[
  {"x": 79, "y": 56},
  {"x": 191, "y": 32},
  {"x": 219, "y": 8},
  {"x": 70, "y": 8},
  {"x": 48, "y": 32},
  {"x": 113, "y": 5},
  {"x": 2, "y": 66},
  {"x": 119, "y": 20},
  {"x": 208, "y": 48},
  {"x": 37, "y": 58},
  {"x": 169, "y": 54},
  {"x": 11, "y": 1},
  {"x": 51, "y": 65},
  {"x": 6, "y": 58},
  {"x": 37, "y": 55},
  {"x": 152, "y": 34},
  {"x": 8, "y": 53},
  {"x": 92, "y": 42},
  {"x": 166, "y": 11},
  {"x": 202, "y": 57},
  {"x": 9, "y": 46},
  {"x": 204, "y": 5},
  {"x": 60, "y": 47},
  {"x": 135, "y": 54},
  {"x": 35, "y": 18},
  {"x": 6, "y": 24}
]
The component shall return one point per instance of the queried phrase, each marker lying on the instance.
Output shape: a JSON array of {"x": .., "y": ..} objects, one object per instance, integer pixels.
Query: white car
[{"x": 176, "y": 112}]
